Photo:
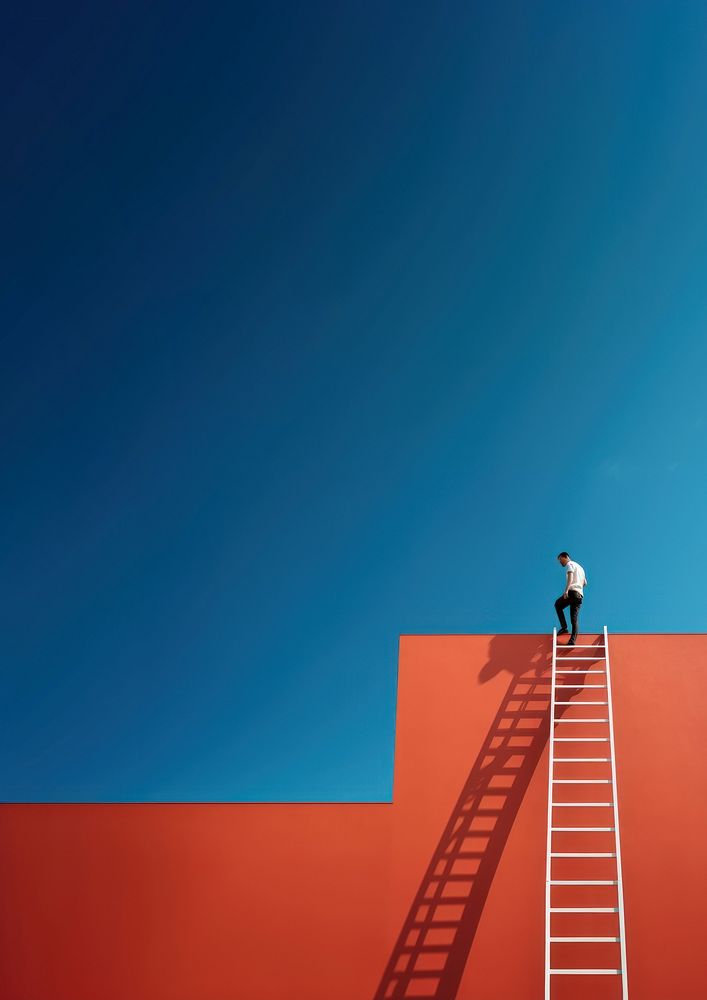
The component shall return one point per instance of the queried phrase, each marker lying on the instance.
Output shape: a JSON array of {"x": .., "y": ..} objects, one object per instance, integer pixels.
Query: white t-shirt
[{"x": 577, "y": 578}]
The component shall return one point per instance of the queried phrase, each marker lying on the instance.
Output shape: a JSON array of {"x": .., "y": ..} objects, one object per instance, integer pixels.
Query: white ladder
[{"x": 589, "y": 678}]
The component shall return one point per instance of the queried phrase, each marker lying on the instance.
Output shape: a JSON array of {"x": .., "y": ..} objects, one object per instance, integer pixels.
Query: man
[{"x": 573, "y": 596}]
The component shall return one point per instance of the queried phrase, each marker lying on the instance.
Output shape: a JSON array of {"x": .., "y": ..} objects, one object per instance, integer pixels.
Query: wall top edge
[
  {"x": 183, "y": 804},
  {"x": 481, "y": 635}
]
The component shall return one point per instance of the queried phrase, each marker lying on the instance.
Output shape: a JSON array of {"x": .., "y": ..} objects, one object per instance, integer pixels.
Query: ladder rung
[
  {"x": 582, "y": 781},
  {"x": 579, "y": 739},
  {"x": 555, "y": 881},
  {"x": 591, "y": 854},
  {"x": 583, "y": 972},
  {"x": 584, "y": 909},
  {"x": 587, "y": 658},
  {"x": 580, "y": 645},
  {"x": 582, "y": 829},
  {"x": 581, "y": 703},
  {"x": 582, "y": 672},
  {"x": 586, "y": 805},
  {"x": 582, "y": 760},
  {"x": 566, "y": 722},
  {"x": 583, "y": 940},
  {"x": 581, "y": 686}
]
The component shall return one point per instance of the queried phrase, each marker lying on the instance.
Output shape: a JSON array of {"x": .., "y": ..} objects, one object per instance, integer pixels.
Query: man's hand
[{"x": 564, "y": 596}]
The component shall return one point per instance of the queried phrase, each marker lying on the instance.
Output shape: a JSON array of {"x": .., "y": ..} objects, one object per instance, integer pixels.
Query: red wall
[{"x": 306, "y": 902}]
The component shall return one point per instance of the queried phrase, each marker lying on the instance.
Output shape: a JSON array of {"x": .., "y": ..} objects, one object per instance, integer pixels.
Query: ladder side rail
[
  {"x": 617, "y": 838},
  {"x": 548, "y": 861}
]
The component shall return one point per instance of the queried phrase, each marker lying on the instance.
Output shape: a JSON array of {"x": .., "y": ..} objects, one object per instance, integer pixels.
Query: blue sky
[{"x": 322, "y": 324}]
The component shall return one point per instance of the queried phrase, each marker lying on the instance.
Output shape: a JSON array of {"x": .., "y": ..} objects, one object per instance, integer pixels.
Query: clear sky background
[{"x": 323, "y": 323}]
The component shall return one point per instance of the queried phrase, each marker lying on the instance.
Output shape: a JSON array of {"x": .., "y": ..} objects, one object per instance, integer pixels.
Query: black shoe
[
  {"x": 572, "y": 641},
  {"x": 564, "y": 631}
]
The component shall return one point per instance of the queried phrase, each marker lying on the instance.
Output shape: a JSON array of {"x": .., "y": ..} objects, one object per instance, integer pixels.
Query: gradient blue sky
[{"x": 323, "y": 323}]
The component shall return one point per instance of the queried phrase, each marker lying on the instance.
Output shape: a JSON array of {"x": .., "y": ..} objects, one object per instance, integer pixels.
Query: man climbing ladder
[{"x": 573, "y": 595}]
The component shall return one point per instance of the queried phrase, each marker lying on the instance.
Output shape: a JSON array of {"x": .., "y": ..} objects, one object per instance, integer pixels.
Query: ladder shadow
[{"x": 431, "y": 951}]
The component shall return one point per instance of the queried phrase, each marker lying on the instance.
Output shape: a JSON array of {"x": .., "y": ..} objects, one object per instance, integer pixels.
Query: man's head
[{"x": 564, "y": 558}]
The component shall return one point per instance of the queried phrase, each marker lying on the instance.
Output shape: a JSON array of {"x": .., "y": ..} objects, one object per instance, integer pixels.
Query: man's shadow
[
  {"x": 431, "y": 951},
  {"x": 516, "y": 654}
]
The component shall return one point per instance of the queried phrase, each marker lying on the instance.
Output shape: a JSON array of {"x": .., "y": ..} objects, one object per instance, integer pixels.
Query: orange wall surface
[{"x": 319, "y": 902}]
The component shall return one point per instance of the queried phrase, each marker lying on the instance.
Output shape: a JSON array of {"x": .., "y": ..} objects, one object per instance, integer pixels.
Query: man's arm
[{"x": 568, "y": 582}]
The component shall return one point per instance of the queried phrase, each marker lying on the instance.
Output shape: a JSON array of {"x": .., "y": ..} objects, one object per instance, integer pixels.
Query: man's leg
[
  {"x": 560, "y": 604},
  {"x": 575, "y": 602}
]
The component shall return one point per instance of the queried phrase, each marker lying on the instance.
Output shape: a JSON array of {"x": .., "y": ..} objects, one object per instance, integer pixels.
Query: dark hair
[{"x": 565, "y": 554}]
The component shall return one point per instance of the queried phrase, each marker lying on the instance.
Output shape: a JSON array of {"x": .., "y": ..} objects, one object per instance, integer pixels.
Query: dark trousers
[{"x": 574, "y": 600}]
